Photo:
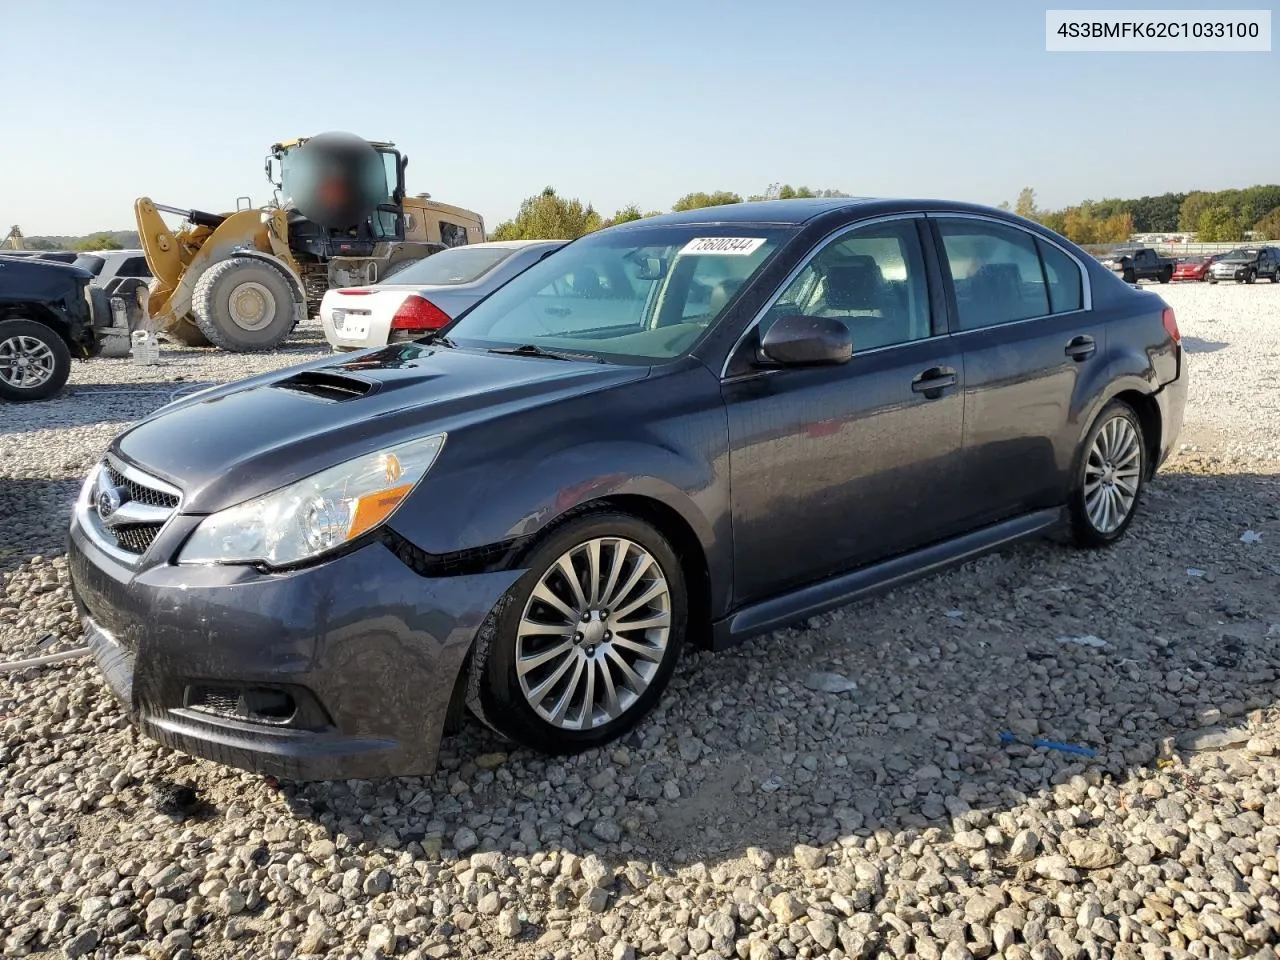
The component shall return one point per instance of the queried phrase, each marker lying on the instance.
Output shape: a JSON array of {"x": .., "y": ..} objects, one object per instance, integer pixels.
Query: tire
[
  {"x": 1165, "y": 276},
  {"x": 1128, "y": 276},
  {"x": 243, "y": 305},
  {"x": 1212, "y": 279},
  {"x": 1108, "y": 446},
  {"x": 1250, "y": 275},
  {"x": 513, "y": 705},
  {"x": 27, "y": 346},
  {"x": 1275, "y": 275}
]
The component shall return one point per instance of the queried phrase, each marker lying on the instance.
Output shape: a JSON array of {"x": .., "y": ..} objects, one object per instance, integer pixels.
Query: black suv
[
  {"x": 692, "y": 428},
  {"x": 49, "y": 313},
  {"x": 1247, "y": 264}
]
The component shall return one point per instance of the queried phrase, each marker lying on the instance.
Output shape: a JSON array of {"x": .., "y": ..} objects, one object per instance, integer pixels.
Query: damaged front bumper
[{"x": 341, "y": 670}]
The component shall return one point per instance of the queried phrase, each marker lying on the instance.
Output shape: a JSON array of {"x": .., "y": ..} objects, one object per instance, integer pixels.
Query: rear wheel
[
  {"x": 34, "y": 361},
  {"x": 1111, "y": 471},
  {"x": 1275, "y": 274},
  {"x": 242, "y": 304},
  {"x": 583, "y": 645},
  {"x": 1166, "y": 276}
]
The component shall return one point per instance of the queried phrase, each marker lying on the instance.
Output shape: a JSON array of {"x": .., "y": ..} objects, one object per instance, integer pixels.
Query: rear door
[{"x": 1027, "y": 335}]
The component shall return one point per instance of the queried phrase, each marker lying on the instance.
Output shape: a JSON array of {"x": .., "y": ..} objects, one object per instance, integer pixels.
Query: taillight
[
  {"x": 418, "y": 313},
  {"x": 1171, "y": 325}
]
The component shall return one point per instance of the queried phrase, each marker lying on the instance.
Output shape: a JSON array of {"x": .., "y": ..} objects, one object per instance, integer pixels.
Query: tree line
[
  {"x": 549, "y": 216},
  {"x": 1214, "y": 216}
]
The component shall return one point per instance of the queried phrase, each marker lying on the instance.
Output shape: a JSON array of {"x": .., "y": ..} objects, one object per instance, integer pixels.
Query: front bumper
[
  {"x": 365, "y": 650},
  {"x": 1235, "y": 273}
]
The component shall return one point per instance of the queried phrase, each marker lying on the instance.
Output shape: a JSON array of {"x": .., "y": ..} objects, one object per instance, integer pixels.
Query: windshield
[
  {"x": 646, "y": 293},
  {"x": 1244, "y": 253},
  {"x": 89, "y": 262},
  {"x": 452, "y": 266}
]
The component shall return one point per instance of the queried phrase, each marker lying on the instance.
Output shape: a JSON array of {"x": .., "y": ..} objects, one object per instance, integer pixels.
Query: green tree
[
  {"x": 549, "y": 216},
  {"x": 1268, "y": 228},
  {"x": 1218, "y": 224},
  {"x": 1195, "y": 204},
  {"x": 785, "y": 191},
  {"x": 99, "y": 241},
  {"x": 696, "y": 201},
  {"x": 1026, "y": 204},
  {"x": 626, "y": 215},
  {"x": 39, "y": 243}
]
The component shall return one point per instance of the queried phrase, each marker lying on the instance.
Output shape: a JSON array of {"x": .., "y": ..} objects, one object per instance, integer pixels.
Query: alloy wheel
[
  {"x": 25, "y": 362},
  {"x": 593, "y": 634},
  {"x": 1111, "y": 475}
]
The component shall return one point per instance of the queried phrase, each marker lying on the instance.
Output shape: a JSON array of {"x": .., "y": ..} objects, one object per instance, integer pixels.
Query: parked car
[
  {"x": 425, "y": 294},
  {"x": 48, "y": 314},
  {"x": 1195, "y": 268},
  {"x": 1141, "y": 264},
  {"x": 117, "y": 272},
  {"x": 693, "y": 428},
  {"x": 58, "y": 256},
  {"x": 1247, "y": 264}
]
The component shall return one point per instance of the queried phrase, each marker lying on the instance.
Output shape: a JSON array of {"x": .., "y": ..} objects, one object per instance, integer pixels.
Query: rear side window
[
  {"x": 996, "y": 273},
  {"x": 452, "y": 234},
  {"x": 1063, "y": 275},
  {"x": 134, "y": 267}
]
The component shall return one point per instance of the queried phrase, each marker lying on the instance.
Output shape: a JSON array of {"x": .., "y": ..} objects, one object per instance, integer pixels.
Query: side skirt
[{"x": 846, "y": 588}]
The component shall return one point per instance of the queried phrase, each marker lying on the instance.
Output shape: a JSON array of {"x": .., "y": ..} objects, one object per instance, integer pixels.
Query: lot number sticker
[{"x": 724, "y": 246}]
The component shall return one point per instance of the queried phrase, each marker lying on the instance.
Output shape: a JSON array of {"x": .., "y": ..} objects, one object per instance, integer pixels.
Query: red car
[{"x": 1193, "y": 268}]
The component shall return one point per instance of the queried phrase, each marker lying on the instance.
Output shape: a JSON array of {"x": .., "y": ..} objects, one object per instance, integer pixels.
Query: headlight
[{"x": 314, "y": 516}]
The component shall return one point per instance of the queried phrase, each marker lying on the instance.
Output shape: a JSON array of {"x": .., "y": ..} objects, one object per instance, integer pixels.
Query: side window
[
  {"x": 996, "y": 273},
  {"x": 134, "y": 267},
  {"x": 872, "y": 278},
  {"x": 452, "y": 234},
  {"x": 1065, "y": 284}
]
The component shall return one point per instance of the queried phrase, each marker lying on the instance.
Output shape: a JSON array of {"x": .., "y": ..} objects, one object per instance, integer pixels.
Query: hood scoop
[{"x": 333, "y": 387}]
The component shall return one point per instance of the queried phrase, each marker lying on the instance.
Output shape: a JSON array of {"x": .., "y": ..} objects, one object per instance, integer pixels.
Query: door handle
[
  {"x": 933, "y": 381},
  {"x": 1081, "y": 348}
]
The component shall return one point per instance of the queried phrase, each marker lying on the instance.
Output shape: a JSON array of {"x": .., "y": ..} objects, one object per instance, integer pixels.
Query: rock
[
  {"x": 607, "y": 830},
  {"x": 824, "y": 932},
  {"x": 623, "y": 951},
  {"x": 810, "y": 858},
  {"x": 595, "y": 872},
  {"x": 595, "y": 900},
  {"x": 1090, "y": 854},
  {"x": 719, "y": 926},
  {"x": 81, "y": 944},
  {"x": 786, "y": 907},
  {"x": 1056, "y": 868},
  {"x": 759, "y": 858},
  {"x": 381, "y": 938},
  {"x": 1024, "y": 846},
  {"x": 490, "y": 761},
  {"x": 465, "y": 840},
  {"x": 830, "y": 683},
  {"x": 970, "y": 840},
  {"x": 489, "y": 904},
  {"x": 509, "y": 924},
  {"x": 490, "y": 862},
  {"x": 377, "y": 882}
]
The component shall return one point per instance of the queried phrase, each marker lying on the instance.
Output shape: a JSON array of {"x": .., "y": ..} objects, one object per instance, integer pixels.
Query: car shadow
[
  {"x": 36, "y": 515},
  {"x": 1199, "y": 345},
  {"x": 742, "y": 753}
]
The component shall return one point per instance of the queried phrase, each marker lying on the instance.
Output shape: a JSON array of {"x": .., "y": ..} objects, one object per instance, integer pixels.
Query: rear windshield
[
  {"x": 89, "y": 262},
  {"x": 452, "y": 266}
]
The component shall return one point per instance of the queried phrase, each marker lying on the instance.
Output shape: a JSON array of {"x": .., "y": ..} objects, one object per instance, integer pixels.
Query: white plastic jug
[{"x": 146, "y": 348}]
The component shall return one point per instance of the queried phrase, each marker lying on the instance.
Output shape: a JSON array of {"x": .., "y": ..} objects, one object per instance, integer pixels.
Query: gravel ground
[{"x": 836, "y": 791}]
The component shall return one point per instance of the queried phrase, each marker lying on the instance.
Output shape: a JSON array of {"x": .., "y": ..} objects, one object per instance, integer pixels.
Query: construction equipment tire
[{"x": 242, "y": 305}]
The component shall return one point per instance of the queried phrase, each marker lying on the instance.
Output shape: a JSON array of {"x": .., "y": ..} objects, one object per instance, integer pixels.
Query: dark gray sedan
[{"x": 690, "y": 429}]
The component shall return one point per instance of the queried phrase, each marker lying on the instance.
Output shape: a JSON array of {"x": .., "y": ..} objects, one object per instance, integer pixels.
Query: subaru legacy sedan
[{"x": 690, "y": 429}]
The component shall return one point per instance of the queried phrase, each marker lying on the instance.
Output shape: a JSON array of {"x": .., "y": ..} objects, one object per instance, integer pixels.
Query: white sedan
[{"x": 426, "y": 294}]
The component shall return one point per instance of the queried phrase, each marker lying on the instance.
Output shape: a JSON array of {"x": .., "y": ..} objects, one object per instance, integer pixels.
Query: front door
[
  {"x": 1028, "y": 341},
  {"x": 836, "y": 466}
]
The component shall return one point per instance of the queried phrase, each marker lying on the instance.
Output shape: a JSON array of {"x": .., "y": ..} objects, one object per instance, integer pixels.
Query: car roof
[
  {"x": 511, "y": 244},
  {"x": 113, "y": 253},
  {"x": 798, "y": 211}
]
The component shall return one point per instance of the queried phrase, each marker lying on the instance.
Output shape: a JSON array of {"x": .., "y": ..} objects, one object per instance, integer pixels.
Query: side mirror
[
  {"x": 652, "y": 268},
  {"x": 797, "y": 340}
]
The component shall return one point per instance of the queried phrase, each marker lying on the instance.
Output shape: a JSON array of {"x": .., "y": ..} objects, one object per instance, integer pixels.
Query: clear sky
[{"x": 611, "y": 102}]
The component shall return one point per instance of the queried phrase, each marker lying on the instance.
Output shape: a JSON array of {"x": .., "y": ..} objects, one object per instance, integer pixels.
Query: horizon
[{"x": 889, "y": 102}]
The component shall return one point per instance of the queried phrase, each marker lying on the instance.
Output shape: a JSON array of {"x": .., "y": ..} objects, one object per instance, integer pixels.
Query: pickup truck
[
  {"x": 49, "y": 313},
  {"x": 1141, "y": 264}
]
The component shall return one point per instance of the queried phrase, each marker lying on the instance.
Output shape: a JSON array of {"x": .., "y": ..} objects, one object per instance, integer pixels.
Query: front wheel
[
  {"x": 34, "y": 361},
  {"x": 243, "y": 304},
  {"x": 1251, "y": 276},
  {"x": 583, "y": 644},
  {"x": 1166, "y": 276},
  {"x": 1112, "y": 469},
  {"x": 1128, "y": 276}
]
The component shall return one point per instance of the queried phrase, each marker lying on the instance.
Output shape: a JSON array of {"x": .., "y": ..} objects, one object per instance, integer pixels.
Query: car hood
[{"x": 234, "y": 442}]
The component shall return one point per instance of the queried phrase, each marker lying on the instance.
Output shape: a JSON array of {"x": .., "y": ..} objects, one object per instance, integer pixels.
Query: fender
[
  {"x": 475, "y": 510},
  {"x": 295, "y": 282}
]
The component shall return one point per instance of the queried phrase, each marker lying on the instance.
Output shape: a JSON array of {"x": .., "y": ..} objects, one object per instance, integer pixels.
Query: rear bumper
[
  {"x": 376, "y": 334},
  {"x": 365, "y": 651},
  {"x": 1172, "y": 399}
]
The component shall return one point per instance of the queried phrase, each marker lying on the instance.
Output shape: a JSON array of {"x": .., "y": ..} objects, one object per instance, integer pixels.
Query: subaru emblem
[{"x": 108, "y": 499}]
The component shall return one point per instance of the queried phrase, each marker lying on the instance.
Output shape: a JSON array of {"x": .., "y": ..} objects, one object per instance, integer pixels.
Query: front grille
[{"x": 124, "y": 509}]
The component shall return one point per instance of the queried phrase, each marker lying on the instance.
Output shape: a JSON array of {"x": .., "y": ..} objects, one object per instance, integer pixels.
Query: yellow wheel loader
[{"x": 242, "y": 281}]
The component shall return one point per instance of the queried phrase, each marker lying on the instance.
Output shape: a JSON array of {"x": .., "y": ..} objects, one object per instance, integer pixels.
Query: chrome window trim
[
  {"x": 800, "y": 267},
  {"x": 1086, "y": 287}
]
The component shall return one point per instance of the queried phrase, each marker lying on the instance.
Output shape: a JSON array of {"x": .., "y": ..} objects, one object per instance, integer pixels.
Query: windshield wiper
[
  {"x": 533, "y": 350},
  {"x": 441, "y": 339}
]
